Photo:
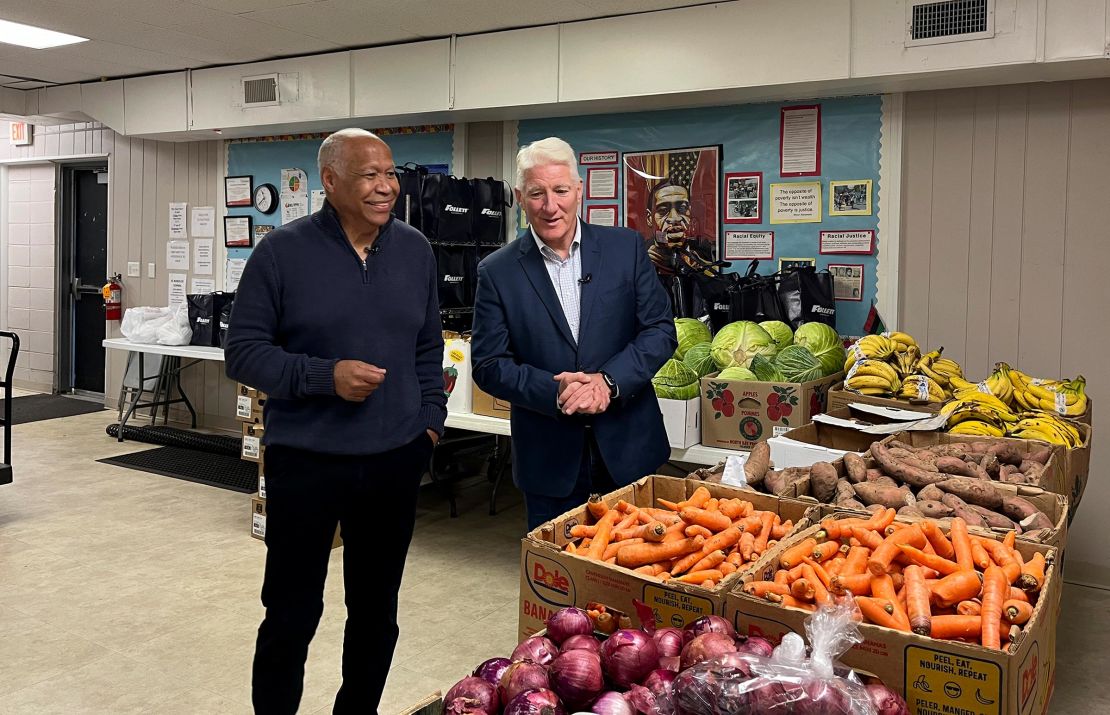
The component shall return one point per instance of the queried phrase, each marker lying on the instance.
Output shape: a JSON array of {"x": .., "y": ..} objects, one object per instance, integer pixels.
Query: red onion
[
  {"x": 708, "y": 624},
  {"x": 576, "y": 676},
  {"x": 492, "y": 670},
  {"x": 654, "y": 696},
  {"x": 611, "y": 703},
  {"x": 886, "y": 701},
  {"x": 628, "y": 656},
  {"x": 519, "y": 677},
  {"x": 756, "y": 646},
  {"x": 707, "y": 646},
  {"x": 535, "y": 702},
  {"x": 824, "y": 697},
  {"x": 536, "y": 649},
  {"x": 569, "y": 622},
  {"x": 472, "y": 695},
  {"x": 582, "y": 643},
  {"x": 672, "y": 663},
  {"x": 669, "y": 641}
]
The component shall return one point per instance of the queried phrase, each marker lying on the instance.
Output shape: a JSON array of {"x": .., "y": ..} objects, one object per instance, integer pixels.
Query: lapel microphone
[
  {"x": 372, "y": 250},
  {"x": 585, "y": 279}
]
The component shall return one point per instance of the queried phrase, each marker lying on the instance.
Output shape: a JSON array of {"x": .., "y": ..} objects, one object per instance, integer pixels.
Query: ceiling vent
[
  {"x": 931, "y": 23},
  {"x": 261, "y": 91}
]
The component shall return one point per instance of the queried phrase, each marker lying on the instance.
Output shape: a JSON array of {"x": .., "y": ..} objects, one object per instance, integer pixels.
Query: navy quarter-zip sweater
[{"x": 307, "y": 300}]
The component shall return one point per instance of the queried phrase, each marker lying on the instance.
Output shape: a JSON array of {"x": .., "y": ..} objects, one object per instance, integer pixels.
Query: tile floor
[{"x": 125, "y": 592}]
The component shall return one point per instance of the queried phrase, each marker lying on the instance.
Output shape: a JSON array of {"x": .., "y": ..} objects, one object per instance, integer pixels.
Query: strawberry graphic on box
[{"x": 450, "y": 377}]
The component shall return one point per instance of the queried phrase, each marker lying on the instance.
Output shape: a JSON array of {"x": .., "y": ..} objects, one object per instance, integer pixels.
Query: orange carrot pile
[
  {"x": 699, "y": 541},
  {"x": 912, "y": 577}
]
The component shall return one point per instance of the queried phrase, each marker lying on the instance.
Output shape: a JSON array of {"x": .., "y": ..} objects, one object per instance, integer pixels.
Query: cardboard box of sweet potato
[
  {"x": 551, "y": 578},
  {"x": 935, "y": 676}
]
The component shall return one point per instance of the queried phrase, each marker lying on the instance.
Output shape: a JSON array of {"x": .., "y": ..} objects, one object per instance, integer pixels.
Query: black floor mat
[
  {"x": 215, "y": 470},
  {"x": 33, "y": 408}
]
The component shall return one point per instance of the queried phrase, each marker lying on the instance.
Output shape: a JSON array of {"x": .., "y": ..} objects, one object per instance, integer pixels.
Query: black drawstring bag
[
  {"x": 455, "y": 267},
  {"x": 488, "y": 208},
  {"x": 446, "y": 205},
  {"x": 224, "y": 321},
  {"x": 204, "y": 312},
  {"x": 806, "y": 295},
  {"x": 411, "y": 179}
]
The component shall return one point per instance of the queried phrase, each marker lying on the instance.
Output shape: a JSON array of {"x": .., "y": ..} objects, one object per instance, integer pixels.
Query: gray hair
[
  {"x": 544, "y": 152},
  {"x": 332, "y": 146}
]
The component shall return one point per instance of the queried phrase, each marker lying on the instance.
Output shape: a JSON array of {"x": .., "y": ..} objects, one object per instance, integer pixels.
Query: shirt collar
[{"x": 575, "y": 245}]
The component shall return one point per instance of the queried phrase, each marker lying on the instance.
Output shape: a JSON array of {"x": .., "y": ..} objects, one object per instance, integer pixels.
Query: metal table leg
[
  {"x": 135, "y": 402},
  {"x": 498, "y": 464}
]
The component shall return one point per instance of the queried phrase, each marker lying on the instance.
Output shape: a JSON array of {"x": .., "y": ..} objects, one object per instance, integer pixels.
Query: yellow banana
[
  {"x": 877, "y": 368},
  {"x": 859, "y": 381},
  {"x": 974, "y": 427}
]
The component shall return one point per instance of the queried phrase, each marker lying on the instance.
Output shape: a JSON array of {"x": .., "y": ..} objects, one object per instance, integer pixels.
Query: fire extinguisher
[{"x": 113, "y": 298}]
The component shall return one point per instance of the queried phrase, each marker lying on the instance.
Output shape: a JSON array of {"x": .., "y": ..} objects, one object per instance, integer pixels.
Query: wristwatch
[{"x": 614, "y": 391}]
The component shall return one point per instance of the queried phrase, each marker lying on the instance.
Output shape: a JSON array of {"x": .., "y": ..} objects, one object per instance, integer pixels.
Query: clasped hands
[{"x": 582, "y": 393}]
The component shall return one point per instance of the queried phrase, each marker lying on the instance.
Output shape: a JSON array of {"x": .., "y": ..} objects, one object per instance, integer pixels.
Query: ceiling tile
[
  {"x": 343, "y": 26},
  {"x": 237, "y": 30},
  {"x": 238, "y": 7}
]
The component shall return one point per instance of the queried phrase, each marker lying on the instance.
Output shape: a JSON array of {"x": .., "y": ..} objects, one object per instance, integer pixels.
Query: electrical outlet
[
  {"x": 150, "y": 270},
  {"x": 133, "y": 269}
]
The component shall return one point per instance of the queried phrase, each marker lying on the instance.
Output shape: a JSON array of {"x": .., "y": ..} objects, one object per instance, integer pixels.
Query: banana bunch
[
  {"x": 1046, "y": 427},
  {"x": 904, "y": 361},
  {"x": 977, "y": 428},
  {"x": 903, "y": 342},
  {"x": 869, "y": 347},
  {"x": 1062, "y": 397},
  {"x": 985, "y": 409},
  {"x": 921, "y": 388},
  {"x": 872, "y": 377},
  {"x": 924, "y": 366}
]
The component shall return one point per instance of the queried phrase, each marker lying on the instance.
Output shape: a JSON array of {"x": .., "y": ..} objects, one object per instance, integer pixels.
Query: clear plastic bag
[
  {"x": 788, "y": 682},
  {"x": 160, "y": 326}
]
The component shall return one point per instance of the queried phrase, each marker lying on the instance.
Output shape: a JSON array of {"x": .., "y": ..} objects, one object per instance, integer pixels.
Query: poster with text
[
  {"x": 847, "y": 281},
  {"x": 796, "y": 202},
  {"x": 671, "y": 199}
]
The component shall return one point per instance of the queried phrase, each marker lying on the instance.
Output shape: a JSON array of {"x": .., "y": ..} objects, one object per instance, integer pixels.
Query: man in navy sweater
[{"x": 337, "y": 319}]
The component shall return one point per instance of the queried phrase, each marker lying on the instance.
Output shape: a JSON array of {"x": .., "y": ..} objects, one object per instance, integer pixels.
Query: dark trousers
[
  {"x": 307, "y": 495},
  {"x": 593, "y": 477}
]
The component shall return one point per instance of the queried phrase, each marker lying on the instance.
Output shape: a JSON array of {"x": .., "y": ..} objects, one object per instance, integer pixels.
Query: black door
[{"x": 89, "y": 262}]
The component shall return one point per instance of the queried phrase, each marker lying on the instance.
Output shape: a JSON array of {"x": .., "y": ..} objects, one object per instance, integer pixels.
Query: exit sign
[{"x": 21, "y": 133}]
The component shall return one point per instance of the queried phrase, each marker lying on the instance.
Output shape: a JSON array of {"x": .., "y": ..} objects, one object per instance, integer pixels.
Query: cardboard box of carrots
[
  {"x": 677, "y": 545},
  {"x": 955, "y": 621}
]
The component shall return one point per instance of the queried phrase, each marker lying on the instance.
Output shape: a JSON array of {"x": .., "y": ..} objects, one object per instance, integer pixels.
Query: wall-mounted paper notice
[
  {"x": 233, "y": 271},
  {"x": 176, "y": 289},
  {"x": 202, "y": 256},
  {"x": 202, "y": 221},
  {"x": 317, "y": 200},
  {"x": 177, "y": 255},
  {"x": 199, "y": 286},
  {"x": 294, "y": 195},
  {"x": 177, "y": 220}
]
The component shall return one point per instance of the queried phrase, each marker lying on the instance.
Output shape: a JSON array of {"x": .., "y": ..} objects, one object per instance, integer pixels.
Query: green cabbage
[
  {"x": 699, "y": 359},
  {"x": 832, "y": 361},
  {"x": 798, "y": 364},
  {"x": 737, "y": 373},
  {"x": 765, "y": 370},
  {"x": 737, "y": 343},
  {"x": 779, "y": 331},
  {"x": 675, "y": 381},
  {"x": 690, "y": 333},
  {"x": 823, "y": 341}
]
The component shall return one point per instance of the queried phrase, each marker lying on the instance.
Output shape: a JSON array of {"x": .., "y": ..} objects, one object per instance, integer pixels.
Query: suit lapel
[
  {"x": 532, "y": 263},
  {"x": 591, "y": 266}
]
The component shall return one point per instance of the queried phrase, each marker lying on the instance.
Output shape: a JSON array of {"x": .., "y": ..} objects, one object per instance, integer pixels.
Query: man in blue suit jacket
[{"x": 570, "y": 324}]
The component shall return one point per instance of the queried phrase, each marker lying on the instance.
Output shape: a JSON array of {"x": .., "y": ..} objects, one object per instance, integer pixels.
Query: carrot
[
  {"x": 824, "y": 551},
  {"x": 727, "y": 568},
  {"x": 956, "y": 627},
  {"x": 698, "y": 499},
  {"x": 627, "y": 522},
  {"x": 790, "y": 601},
  {"x": 979, "y": 555},
  {"x": 612, "y": 549},
  {"x": 761, "y": 539},
  {"x": 819, "y": 571},
  {"x": 697, "y": 530},
  {"x": 710, "y": 561},
  {"x": 735, "y": 558},
  {"x": 820, "y": 591},
  {"x": 883, "y": 588},
  {"x": 1003, "y": 557},
  {"x": 1032, "y": 574},
  {"x": 857, "y": 584},
  {"x": 940, "y": 543},
  {"x": 960, "y": 586},
  {"x": 655, "y": 531},
  {"x": 867, "y": 538},
  {"x": 596, "y": 506},
  {"x": 930, "y": 561},
  {"x": 881, "y": 558},
  {"x": 794, "y": 555},
  {"x": 723, "y": 540},
  {"x": 917, "y": 601},
  {"x": 604, "y": 533},
  {"x": 625, "y": 507},
  {"x": 834, "y": 566},
  {"x": 712, "y": 520},
  {"x": 747, "y": 546},
  {"x": 699, "y": 576},
  {"x": 961, "y": 543},
  {"x": 1017, "y": 612},
  {"x": 802, "y": 589},
  {"x": 782, "y": 577},
  {"x": 1009, "y": 539},
  {"x": 760, "y": 589},
  {"x": 875, "y": 610},
  {"x": 995, "y": 588},
  {"x": 1016, "y": 594},
  {"x": 708, "y": 583},
  {"x": 579, "y": 531},
  {"x": 640, "y": 554},
  {"x": 713, "y": 504},
  {"x": 648, "y": 570},
  {"x": 969, "y": 608},
  {"x": 663, "y": 515},
  {"x": 857, "y": 561},
  {"x": 610, "y": 560},
  {"x": 928, "y": 547},
  {"x": 781, "y": 528},
  {"x": 571, "y": 548}
]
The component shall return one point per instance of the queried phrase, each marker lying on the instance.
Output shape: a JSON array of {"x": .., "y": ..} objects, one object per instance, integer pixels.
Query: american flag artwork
[{"x": 695, "y": 169}]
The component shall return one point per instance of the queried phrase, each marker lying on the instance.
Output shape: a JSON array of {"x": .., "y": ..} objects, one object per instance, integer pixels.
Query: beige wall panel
[
  {"x": 917, "y": 167},
  {"x": 977, "y": 357}
]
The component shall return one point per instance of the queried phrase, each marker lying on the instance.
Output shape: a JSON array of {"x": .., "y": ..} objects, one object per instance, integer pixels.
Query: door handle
[{"x": 76, "y": 288}]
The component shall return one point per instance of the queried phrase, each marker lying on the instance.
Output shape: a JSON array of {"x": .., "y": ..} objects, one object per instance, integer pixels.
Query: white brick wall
[{"x": 30, "y": 298}]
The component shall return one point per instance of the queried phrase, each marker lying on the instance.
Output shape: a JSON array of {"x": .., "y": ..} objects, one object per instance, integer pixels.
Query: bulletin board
[
  {"x": 263, "y": 159},
  {"x": 845, "y": 180}
]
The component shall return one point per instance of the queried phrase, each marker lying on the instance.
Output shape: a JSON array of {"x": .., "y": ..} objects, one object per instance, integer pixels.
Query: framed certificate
[
  {"x": 238, "y": 232},
  {"x": 238, "y": 191}
]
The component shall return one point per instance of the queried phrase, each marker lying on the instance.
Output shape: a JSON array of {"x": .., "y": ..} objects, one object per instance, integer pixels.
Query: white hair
[
  {"x": 332, "y": 146},
  {"x": 544, "y": 152}
]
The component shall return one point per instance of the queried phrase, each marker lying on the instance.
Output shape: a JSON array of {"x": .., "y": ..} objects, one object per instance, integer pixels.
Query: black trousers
[
  {"x": 593, "y": 476},
  {"x": 307, "y": 495}
]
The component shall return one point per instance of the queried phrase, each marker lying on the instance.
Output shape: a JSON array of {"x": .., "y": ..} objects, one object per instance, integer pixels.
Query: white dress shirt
[{"x": 565, "y": 274}]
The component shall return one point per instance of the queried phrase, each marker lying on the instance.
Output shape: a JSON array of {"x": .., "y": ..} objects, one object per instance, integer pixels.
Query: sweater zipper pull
[{"x": 365, "y": 272}]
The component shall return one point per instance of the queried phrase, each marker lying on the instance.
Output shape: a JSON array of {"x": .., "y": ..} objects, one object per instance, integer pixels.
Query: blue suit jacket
[{"x": 521, "y": 340}]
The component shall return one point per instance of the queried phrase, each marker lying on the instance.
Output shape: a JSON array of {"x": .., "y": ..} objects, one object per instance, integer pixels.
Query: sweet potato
[
  {"x": 973, "y": 491},
  {"x": 910, "y": 475},
  {"x": 884, "y": 481},
  {"x": 1006, "y": 452},
  {"x": 873, "y": 474},
  {"x": 956, "y": 466},
  {"x": 994, "y": 519},
  {"x": 931, "y": 492},
  {"x": 845, "y": 494},
  {"x": 1041, "y": 455},
  {"x": 952, "y": 501},
  {"x": 1009, "y": 474},
  {"x": 755, "y": 468},
  {"x": 934, "y": 509},
  {"x": 822, "y": 480},
  {"x": 1023, "y": 512},
  {"x": 990, "y": 465},
  {"x": 892, "y": 497},
  {"x": 855, "y": 467},
  {"x": 969, "y": 515},
  {"x": 1033, "y": 471},
  {"x": 774, "y": 481},
  {"x": 911, "y": 511}
]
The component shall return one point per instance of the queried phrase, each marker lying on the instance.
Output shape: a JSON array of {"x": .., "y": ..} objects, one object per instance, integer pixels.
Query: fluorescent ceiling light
[{"x": 15, "y": 33}]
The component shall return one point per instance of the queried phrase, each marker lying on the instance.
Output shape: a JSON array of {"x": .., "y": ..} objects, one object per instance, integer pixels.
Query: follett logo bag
[
  {"x": 446, "y": 204},
  {"x": 488, "y": 210}
]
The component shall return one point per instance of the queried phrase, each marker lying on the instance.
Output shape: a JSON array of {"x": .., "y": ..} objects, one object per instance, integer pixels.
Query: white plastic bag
[{"x": 161, "y": 326}]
